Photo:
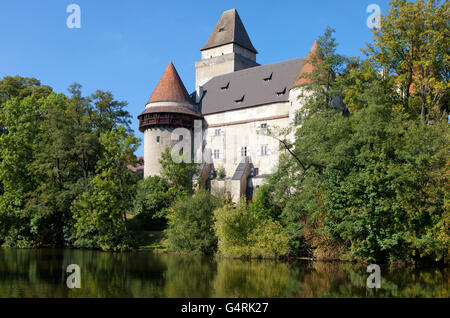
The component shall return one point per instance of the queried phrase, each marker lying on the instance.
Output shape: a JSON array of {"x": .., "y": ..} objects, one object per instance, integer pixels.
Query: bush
[
  {"x": 221, "y": 173},
  {"x": 151, "y": 203},
  {"x": 191, "y": 224},
  {"x": 241, "y": 233}
]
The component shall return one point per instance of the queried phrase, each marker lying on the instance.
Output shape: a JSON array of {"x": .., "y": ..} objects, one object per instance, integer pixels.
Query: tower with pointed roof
[
  {"x": 227, "y": 50},
  {"x": 298, "y": 90},
  {"x": 168, "y": 108}
]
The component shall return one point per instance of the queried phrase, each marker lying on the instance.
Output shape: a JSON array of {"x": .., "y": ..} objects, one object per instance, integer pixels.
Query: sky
[{"x": 125, "y": 46}]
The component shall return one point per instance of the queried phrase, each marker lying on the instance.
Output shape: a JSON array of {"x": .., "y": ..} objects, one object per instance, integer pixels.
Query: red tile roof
[
  {"x": 170, "y": 88},
  {"x": 307, "y": 67}
]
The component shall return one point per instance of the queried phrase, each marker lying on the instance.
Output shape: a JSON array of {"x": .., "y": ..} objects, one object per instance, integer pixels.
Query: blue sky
[{"x": 124, "y": 46}]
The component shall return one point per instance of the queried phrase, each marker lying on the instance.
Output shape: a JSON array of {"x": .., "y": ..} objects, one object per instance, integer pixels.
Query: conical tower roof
[
  {"x": 169, "y": 104},
  {"x": 307, "y": 67},
  {"x": 170, "y": 88},
  {"x": 229, "y": 29}
]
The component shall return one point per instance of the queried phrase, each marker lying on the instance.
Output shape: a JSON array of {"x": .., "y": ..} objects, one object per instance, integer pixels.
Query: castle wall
[{"x": 240, "y": 128}]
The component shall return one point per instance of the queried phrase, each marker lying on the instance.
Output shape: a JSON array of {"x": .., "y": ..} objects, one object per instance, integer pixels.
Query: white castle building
[{"x": 235, "y": 100}]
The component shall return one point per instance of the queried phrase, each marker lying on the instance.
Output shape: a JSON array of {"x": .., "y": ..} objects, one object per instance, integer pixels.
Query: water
[{"x": 42, "y": 273}]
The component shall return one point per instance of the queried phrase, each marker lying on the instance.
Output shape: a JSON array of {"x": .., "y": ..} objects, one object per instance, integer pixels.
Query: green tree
[
  {"x": 100, "y": 214},
  {"x": 191, "y": 224},
  {"x": 151, "y": 202},
  {"x": 179, "y": 176},
  {"x": 412, "y": 46}
]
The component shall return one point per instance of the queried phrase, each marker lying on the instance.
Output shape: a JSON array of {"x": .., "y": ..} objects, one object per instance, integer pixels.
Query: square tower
[{"x": 227, "y": 50}]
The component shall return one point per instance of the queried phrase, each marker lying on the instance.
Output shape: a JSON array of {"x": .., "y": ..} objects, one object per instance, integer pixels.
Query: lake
[{"x": 42, "y": 273}]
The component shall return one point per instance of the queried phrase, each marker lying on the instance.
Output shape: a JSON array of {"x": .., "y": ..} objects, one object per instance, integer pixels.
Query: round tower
[
  {"x": 168, "y": 108},
  {"x": 298, "y": 93}
]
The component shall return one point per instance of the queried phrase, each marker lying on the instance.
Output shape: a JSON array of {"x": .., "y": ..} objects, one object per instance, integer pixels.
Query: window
[
  {"x": 223, "y": 88},
  {"x": 217, "y": 132},
  {"x": 180, "y": 138},
  {"x": 263, "y": 125},
  {"x": 281, "y": 92},
  {"x": 266, "y": 79},
  {"x": 216, "y": 154},
  {"x": 264, "y": 150},
  {"x": 244, "y": 151},
  {"x": 158, "y": 138},
  {"x": 238, "y": 101}
]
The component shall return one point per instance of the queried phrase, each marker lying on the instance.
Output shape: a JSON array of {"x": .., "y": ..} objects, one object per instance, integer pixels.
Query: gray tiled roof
[
  {"x": 229, "y": 29},
  {"x": 247, "y": 88}
]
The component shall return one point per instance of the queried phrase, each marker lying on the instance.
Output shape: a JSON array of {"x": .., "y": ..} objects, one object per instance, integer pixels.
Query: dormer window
[
  {"x": 266, "y": 79},
  {"x": 224, "y": 88},
  {"x": 238, "y": 101},
  {"x": 222, "y": 29},
  {"x": 281, "y": 92}
]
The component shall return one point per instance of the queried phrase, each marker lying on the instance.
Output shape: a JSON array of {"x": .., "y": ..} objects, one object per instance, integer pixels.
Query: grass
[{"x": 151, "y": 240}]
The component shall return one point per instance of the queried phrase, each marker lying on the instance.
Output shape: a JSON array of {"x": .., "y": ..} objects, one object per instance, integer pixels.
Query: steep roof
[
  {"x": 229, "y": 29},
  {"x": 250, "y": 87},
  {"x": 170, "y": 88},
  {"x": 308, "y": 67}
]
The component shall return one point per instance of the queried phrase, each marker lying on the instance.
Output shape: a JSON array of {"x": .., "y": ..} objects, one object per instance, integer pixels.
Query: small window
[
  {"x": 222, "y": 29},
  {"x": 224, "y": 88},
  {"x": 238, "y": 101},
  {"x": 217, "y": 132},
  {"x": 180, "y": 138},
  {"x": 264, "y": 150},
  {"x": 244, "y": 151},
  {"x": 158, "y": 138},
  {"x": 281, "y": 92},
  {"x": 269, "y": 78},
  {"x": 216, "y": 154},
  {"x": 263, "y": 125}
]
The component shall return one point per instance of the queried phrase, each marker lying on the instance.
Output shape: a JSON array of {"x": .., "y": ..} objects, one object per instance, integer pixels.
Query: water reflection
[{"x": 42, "y": 273}]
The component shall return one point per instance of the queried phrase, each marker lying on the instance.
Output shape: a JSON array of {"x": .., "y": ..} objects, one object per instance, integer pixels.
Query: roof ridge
[{"x": 256, "y": 68}]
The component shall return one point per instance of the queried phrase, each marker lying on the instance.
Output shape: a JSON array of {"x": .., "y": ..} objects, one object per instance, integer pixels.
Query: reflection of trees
[
  {"x": 42, "y": 273},
  {"x": 238, "y": 278},
  {"x": 188, "y": 276}
]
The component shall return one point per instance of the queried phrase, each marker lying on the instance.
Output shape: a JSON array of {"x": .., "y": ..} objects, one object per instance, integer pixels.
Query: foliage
[
  {"x": 191, "y": 224},
  {"x": 179, "y": 176},
  {"x": 242, "y": 233},
  {"x": 263, "y": 205},
  {"x": 412, "y": 46},
  {"x": 370, "y": 186},
  {"x": 221, "y": 173},
  {"x": 100, "y": 214},
  {"x": 151, "y": 202},
  {"x": 51, "y": 153}
]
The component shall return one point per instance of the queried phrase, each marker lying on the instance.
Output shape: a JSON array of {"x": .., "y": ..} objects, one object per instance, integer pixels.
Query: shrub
[
  {"x": 241, "y": 233},
  {"x": 191, "y": 224},
  {"x": 221, "y": 173}
]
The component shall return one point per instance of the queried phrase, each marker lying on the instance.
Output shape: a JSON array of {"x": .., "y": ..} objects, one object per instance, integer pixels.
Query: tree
[
  {"x": 51, "y": 151},
  {"x": 179, "y": 176},
  {"x": 151, "y": 202},
  {"x": 412, "y": 46},
  {"x": 100, "y": 214}
]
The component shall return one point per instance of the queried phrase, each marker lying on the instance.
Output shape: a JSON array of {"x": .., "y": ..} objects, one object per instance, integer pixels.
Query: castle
[{"x": 234, "y": 102}]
